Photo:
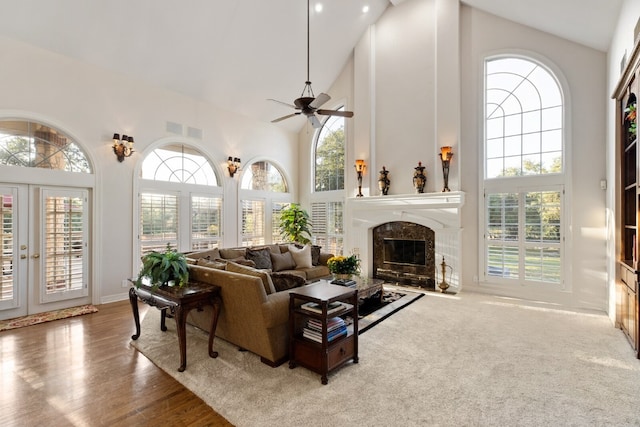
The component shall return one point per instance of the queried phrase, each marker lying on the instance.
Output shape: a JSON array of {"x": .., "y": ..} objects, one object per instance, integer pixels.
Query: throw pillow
[
  {"x": 315, "y": 254},
  {"x": 231, "y": 253},
  {"x": 240, "y": 260},
  {"x": 282, "y": 261},
  {"x": 283, "y": 281},
  {"x": 262, "y": 257},
  {"x": 220, "y": 265},
  {"x": 242, "y": 269},
  {"x": 302, "y": 257}
]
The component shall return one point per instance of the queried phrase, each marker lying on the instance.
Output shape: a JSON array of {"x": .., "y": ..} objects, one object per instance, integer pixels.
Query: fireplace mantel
[{"x": 439, "y": 211}]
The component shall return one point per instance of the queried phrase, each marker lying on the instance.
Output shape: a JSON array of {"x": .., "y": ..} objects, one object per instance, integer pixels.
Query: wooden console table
[{"x": 179, "y": 301}]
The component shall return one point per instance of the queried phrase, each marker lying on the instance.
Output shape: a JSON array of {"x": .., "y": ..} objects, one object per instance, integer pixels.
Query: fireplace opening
[
  {"x": 404, "y": 252},
  {"x": 407, "y": 252}
]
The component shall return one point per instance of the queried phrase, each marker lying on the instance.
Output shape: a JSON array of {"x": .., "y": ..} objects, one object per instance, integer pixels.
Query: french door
[{"x": 45, "y": 241}]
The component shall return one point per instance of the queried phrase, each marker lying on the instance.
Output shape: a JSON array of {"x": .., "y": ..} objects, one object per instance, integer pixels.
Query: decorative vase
[
  {"x": 383, "y": 181},
  {"x": 419, "y": 178},
  {"x": 344, "y": 276}
]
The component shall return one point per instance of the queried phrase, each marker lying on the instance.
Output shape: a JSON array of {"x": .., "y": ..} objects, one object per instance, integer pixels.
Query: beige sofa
[{"x": 254, "y": 316}]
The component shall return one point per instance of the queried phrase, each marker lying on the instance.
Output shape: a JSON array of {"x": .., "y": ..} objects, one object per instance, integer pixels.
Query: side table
[
  {"x": 323, "y": 354},
  {"x": 179, "y": 301}
]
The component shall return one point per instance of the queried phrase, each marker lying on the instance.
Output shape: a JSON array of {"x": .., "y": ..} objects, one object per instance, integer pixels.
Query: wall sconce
[
  {"x": 233, "y": 164},
  {"x": 360, "y": 168},
  {"x": 445, "y": 156},
  {"x": 122, "y": 147}
]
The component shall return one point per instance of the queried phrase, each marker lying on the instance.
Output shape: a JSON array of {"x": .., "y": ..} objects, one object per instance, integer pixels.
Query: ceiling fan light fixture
[{"x": 318, "y": 7}]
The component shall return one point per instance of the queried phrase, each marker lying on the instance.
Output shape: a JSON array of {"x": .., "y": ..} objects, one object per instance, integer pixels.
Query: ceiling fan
[{"x": 308, "y": 104}]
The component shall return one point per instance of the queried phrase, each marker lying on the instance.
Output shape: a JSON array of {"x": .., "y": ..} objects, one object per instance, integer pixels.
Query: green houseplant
[
  {"x": 295, "y": 224},
  {"x": 164, "y": 267}
]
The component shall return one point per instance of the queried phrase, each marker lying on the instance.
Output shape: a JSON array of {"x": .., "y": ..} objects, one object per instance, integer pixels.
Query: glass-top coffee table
[{"x": 366, "y": 286}]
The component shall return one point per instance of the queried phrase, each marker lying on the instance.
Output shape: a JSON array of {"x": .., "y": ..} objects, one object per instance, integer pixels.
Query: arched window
[
  {"x": 264, "y": 192},
  {"x": 330, "y": 155},
  {"x": 327, "y": 200},
  {"x": 523, "y": 169},
  {"x": 180, "y": 202},
  {"x": 35, "y": 145}
]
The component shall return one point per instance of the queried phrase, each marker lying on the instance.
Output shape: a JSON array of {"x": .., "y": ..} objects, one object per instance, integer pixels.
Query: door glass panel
[
  {"x": 159, "y": 222},
  {"x": 64, "y": 245},
  {"x": 7, "y": 236}
]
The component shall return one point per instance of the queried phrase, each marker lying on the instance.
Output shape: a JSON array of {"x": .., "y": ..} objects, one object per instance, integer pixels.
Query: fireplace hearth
[{"x": 404, "y": 252}]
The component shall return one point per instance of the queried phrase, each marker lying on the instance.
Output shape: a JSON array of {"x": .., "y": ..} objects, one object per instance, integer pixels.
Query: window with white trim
[
  {"x": 180, "y": 202},
  {"x": 327, "y": 198},
  {"x": 263, "y": 192},
  {"x": 524, "y": 172}
]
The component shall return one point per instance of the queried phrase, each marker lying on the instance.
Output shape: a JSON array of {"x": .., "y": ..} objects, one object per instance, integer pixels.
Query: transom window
[
  {"x": 178, "y": 163},
  {"x": 264, "y": 176},
  {"x": 524, "y": 181},
  {"x": 35, "y": 145},
  {"x": 524, "y": 119}
]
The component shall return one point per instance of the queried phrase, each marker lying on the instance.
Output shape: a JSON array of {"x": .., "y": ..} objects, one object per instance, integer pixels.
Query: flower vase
[{"x": 343, "y": 277}]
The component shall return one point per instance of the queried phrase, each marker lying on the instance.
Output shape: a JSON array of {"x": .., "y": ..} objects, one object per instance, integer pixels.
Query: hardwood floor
[{"x": 83, "y": 372}]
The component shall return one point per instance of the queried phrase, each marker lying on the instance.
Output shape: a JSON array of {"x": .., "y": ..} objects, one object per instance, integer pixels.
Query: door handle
[
  {"x": 23, "y": 256},
  {"x": 36, "y": 256}
]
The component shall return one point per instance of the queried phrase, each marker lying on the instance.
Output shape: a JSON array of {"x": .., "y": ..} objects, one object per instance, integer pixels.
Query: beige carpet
[{"x": 445, "y": 360}]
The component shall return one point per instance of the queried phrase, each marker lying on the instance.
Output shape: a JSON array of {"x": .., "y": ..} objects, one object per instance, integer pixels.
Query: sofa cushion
[
  {"x": 282, "y": 261},
  {"x": 301, "y": 256},
  {"x": 315, "y": 254},
  {"x": 239, "y": 260},
  {"x": 233, "y": 253},
  {"x": 206, "y": 262},
  {"x": 283, "y": 281},
  {"x": 242, "y": 269},
  {"x": 262, "y": 257}
]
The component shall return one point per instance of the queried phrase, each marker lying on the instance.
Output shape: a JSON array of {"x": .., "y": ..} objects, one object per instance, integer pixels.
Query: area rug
[
  {"x": 48, "y": 316},
  {"x": 445, "y": 360}
]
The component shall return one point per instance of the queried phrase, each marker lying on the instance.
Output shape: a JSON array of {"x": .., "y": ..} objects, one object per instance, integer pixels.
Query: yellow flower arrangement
[{"x": 344, "y": 265}]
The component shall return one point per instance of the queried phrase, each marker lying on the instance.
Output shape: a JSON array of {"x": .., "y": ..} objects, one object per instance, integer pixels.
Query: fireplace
[
  {"x": 438, "y": 215},
  {"x": 404, "y": 252}
]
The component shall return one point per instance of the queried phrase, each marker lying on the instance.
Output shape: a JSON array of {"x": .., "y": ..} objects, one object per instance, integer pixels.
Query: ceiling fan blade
[
  {"x": 280, "y": 102},
  {"x": 314, "y": 121},
  {"x": 320, "y": 100},
  {"x": 279, "y": 119},
  {"x": 335, "y": 113}
]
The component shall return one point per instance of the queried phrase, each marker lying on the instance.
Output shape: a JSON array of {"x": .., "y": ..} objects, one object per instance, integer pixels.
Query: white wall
[
  {"x": 621, "y": 45},
  {"x": 93, "y": 104}
]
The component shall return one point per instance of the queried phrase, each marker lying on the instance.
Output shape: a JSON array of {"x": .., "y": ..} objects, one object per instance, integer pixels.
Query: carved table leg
[
  {"x": 163, "y": 318},
  {"x": 214, "y": 323},
  {"x": 133, "y": 299},
  {"x": 181, "y": 327}
]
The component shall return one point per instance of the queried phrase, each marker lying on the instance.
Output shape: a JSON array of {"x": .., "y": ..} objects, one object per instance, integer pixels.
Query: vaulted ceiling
[{"x": 236, "y": 54}]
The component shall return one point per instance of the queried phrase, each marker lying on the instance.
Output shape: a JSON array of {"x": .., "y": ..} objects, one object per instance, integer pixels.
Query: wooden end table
[{"x": 179, "y": 301}]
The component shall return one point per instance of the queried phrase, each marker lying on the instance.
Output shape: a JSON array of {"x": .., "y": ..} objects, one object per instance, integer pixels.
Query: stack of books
[
  {"x": 336, "y": 328},
  {"x": 317, "y": 308}
]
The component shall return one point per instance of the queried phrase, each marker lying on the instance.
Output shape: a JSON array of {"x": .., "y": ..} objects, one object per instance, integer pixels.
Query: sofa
[{"x": 255, "y": 301}]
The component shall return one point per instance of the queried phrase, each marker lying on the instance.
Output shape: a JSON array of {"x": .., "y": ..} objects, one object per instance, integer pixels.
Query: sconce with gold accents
[
  {"x": 445, "y": 156},
  {"x": 122, "y": 147},
  {"x": 360, "y": 168},
  {"x": 233, "y": 164}
]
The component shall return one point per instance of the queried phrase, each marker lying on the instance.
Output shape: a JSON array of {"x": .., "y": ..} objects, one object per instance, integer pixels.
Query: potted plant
[
  {"x": 164, "y": 268},
  {"x": 295, "y": 224},
  {"x": 343, "y": 267}
]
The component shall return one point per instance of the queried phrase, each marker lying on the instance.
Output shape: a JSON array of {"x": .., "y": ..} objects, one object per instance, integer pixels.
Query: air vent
[
  {"x": 194, "y": 133},
  {"x": 175, "y": 128}
]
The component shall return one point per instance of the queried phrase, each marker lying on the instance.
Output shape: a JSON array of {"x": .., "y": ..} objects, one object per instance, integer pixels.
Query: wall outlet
[{"x": 125, "y": 283}]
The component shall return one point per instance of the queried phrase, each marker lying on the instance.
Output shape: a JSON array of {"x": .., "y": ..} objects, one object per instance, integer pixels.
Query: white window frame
[{"x": 527, "y": 183}]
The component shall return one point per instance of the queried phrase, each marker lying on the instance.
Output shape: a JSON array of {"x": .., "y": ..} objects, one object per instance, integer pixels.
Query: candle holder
[
  {"x": 445, "y": 156},
  {"x": 360, "y": 167}
]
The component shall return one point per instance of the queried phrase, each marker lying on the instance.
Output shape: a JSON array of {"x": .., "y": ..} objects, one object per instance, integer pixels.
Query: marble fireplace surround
[{"x": 441, "y": 212}]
